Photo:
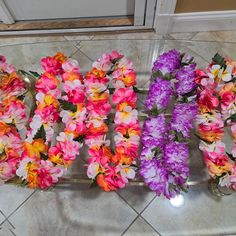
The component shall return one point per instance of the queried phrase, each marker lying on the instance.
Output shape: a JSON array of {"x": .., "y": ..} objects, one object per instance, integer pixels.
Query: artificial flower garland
[
  {"x": 13, "y": 119},
  {"x": 217, "y": 108},
  {"x": 163, "y": 161},
  {"x": 60, "y": 95},
  {"x": 111, "y": 170}
]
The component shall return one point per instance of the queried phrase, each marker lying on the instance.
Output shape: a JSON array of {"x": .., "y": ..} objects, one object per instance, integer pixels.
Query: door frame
[{"x": 167, "y": 21}]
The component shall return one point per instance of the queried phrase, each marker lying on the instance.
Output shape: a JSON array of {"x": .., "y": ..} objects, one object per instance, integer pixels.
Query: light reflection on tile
[
  {"x": 202, "y": 214},
  {"x": 75, "y": 211}
]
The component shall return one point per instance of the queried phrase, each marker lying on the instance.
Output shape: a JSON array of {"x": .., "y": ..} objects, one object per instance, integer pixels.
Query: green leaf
[
  {"x": 191, "y": 93},
  {"x": 157, "y": 152},
  {"x": 111, "y": 90},
  {"x": 184, "y": 188},
  {"x": 156, "y": 149},
  {"x": 24, "y": 182},
  {"x": 182, "y": 56},
  {"x": 218, "y": 59},
  {"x": 233, "y": 117},
  {"x": 11, "y": 124},
  {"x": 233, "y": 80},
  {"x": 35, "y": 74},
  {"x": 110, "y": 119},
  {"x": 167, "y": 76},
  {"x": 133, "y": 165},
  {"x": 156, "y": 74},
  {"x": 29, "y": 74},
  {"x": 184, "y": 64},
  {"x": 114, "y": 61},
  {"x": 180, "y": 138},
  {"x": 43, "y": 156},
  {"x": 136, "y": 90},
  {"x": 219, "y": 177},
  {"x": 93, "y": 184},
  {"x": 79, "y": 139},
  {"x": 154, "y": 111},
  {"x": 41, "y": 133},
  {"x": 67, "y": 105},
  {"x": 21, "y": 97},
  {"x": 63, "y": 93},
  {"x": 231, "y": 156}
]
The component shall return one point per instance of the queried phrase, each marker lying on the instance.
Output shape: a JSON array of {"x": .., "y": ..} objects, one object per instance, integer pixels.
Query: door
[{"x": 75, "y": 14}]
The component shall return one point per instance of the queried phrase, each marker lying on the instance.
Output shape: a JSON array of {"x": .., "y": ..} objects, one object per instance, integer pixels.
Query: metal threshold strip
[
  {"x": 85, "y": 180},
  {"x": 118, "y": 29}
]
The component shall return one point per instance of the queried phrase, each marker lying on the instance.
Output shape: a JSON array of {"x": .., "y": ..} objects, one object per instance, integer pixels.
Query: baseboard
[{"x": 197, "y": 21}]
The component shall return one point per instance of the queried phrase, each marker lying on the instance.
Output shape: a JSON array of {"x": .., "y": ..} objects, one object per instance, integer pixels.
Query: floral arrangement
[
  {"x": 13, "y": 119},
  {"x": 112, "y": 169},
  {"x": 163, "y": 161},
  {"x": 36, "y": 151},
  {"x": 217, "y": 111},
  {"x": 60, "y": 96}
]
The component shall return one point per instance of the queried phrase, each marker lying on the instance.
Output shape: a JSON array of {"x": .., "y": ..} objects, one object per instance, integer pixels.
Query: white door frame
[
  {"x": 166, "y": 21},
  {"x": 5, "y": 14}
]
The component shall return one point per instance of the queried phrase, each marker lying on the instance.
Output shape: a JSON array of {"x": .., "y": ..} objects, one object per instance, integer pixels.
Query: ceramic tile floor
[{"x": 79, "y": 210}]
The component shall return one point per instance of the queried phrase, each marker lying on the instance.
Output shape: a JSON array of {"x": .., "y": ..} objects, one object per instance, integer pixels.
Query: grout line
[
  {"x": 194, "y": 34},
  {"x": 148, "y": 81},
  {"x": 12, "y": 232},
  {"x": 139, "y": 214},
  {"x": 147, "y": 205},
  {"x": 74, "y": 43},
  {"x": 197, "y": 54},
  {"x": 130, "y": 225},
  {"x": 73, "y": 53},
  {"x": 7, "y": 218},
  {"x": 85, "y": 55},
  {"x": 77, "y": 45},
  {"x": 185, "y": 46},
  {"x": 126, "y": 202},
  {"x": 150, "y": 225}
]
